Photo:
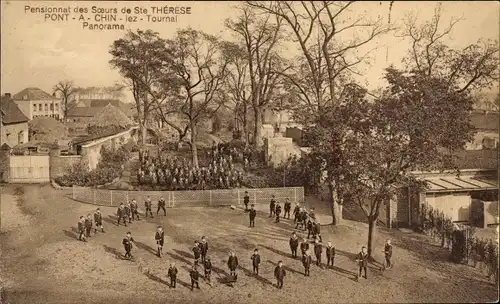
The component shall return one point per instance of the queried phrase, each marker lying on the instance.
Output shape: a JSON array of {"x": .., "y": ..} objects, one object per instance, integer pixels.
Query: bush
[{"x": 109, "y": 168}]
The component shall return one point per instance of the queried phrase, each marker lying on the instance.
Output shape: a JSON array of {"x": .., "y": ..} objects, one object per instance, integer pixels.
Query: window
[
  {"x": 52, "y": 107},
  {"x": 57, "y": 107},
  {"x": 46, "y": 107},
  {"x": 20, "y": 137},
  {"x": 34, "y": 107},
  {"x": 8, "y": 135},
  {"x": 40, "y": 107},
  {"x": 488, "y": 143}
]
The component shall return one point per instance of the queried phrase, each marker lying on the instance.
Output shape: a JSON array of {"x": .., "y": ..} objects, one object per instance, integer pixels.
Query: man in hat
[
  {"x": 252, "y": 214},
  {"x": 279, "y": 274}
]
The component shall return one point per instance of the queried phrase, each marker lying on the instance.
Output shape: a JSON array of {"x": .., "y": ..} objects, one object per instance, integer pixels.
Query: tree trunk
[
  {"x": 257, "y": 131},
  {"x": 371, "y": 233},
  {"x": 334, "y": 205},
  {"x": 245, "y": 125},
  {"x": 194, "y": 148},
  {"x": 142, "y": 132}
]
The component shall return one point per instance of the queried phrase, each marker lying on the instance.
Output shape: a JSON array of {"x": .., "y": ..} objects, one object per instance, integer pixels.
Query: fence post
[
  {"x": 238, "y": 203},
  {"x": 128, "y": 199},
  {"x": 111, "y": 197},
  {"x": 210, "y": 195},
  {"x": 255, "y": 197},
  {"x": 295, "y": 195},
  {"x": 93, "y": 191},
  {"x": 73, "y": 192},
  {"x": 173, "y": 199}
]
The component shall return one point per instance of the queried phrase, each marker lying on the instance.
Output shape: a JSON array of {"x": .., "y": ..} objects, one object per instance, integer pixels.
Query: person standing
[
  {"x": 127, "y": 243},
  {"x": 207, "y": 265},
  {"x": 128, "y": 213},
  {"x": 294, "y": 244},
  {"x": 317, "y": 231},
  {"x": 246, "y": 200},
  {"x": 304, "y": 247},
  {"x": 194, "y": 278},
  {"x": 88, "y": 225},
  {"x": 296, "y": 213},
  {"x": 134, "y": 209},
  {"x": 288, "y": 207},
  {"x": 318, "y": 251},
  {"x": 388, "y": 253},
  {"x": 172, "y": 274},
  {"x": 330, "y": 254},
  {"x": 161, "y": 206},
  {"x": 272, "y": 206},
  {"x": 148, "y": 204},
  {"x": 81, "y": 229},
  {"x": 203, "y": 248},
  {"x": 309, "y": 228},
  {"x": 306, "y": 261},
  {"x": 98, "y": 220},
  {"x": 279, "y": 274},
  {"x": 160, "y": 238},
  {"x": 255, "y": 261},
  {"x": 277, "y": 211},
  {"x": 252, "y": 214},
  {"x": 304, "y": 219},
  {"x": 196, "y": 252},
  {"x": 232, "y": 264},
  {"x": 362, "y": 260},
  {"x": 121, "y": 215}
]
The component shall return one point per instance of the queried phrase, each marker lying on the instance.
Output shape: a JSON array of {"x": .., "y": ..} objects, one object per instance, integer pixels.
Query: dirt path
[{"x": 44, "y": 262}]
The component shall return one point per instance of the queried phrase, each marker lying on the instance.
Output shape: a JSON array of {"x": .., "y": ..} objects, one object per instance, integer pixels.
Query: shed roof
[
  {"x": 457, "y": 183},
  {"x": 12, "y": 113},
  {"x": 83, "y": 112}
]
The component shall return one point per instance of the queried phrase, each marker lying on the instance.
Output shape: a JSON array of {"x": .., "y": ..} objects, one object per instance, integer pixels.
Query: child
[
  {"x": 127, "y": 243},
  {"x": 362, "y": 260},
  {"x": 194, "y": 278},
  {"x": 81, "y": 229},
  {"x": 255, "y": 261},
  {"x": 232, "y": 264},
  {"x": 98, "y": 220},
  {"x": 172, "y": 274},
  {"x": 330, "y": 254},
  {"x": 160, "y": 238},
  {"x": 207, "y": 264}
]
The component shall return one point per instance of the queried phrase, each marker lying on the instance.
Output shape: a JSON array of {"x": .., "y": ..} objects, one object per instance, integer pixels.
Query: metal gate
[{"x": 29, "y": 169}]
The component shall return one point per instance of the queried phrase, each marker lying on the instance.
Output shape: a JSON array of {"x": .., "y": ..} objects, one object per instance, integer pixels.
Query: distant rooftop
[
  {"x": 11, "y": 112},
  {"x": 33, "y": 94}
]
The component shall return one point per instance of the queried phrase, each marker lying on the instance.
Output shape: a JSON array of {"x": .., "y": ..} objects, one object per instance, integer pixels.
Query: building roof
[
  {"x": 83, "y": 112},
  {"x": 458, "y": 183},
  {"x": 485, "y": 120},
  {"x": 11, "y": 112},
  {"x": 33, "y": 94},
  {"x": 85, "y": 139},
  {"x": 110, "y": 116},
  {"x": 126, "y": 108},
  {"x": 477, "y": 159}
]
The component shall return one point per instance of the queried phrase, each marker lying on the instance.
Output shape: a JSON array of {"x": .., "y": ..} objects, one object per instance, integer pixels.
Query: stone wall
[
  {"x": 59, "y": 164},
  {"x": 14, "y": 134}
]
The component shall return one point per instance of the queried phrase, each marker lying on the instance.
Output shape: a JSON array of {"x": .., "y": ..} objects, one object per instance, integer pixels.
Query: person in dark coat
[
  {"x": 277, "y": 211},
  {"x": 195, "y": 276},
  {"x": 149, "y": 205},
  {"x": 309, "y": 228},
  {"x": 330, "y": 254},
  {"x": 207, "y": 265},
  {"x": 246, "y": 200},
  {"x": 318, "y": 251},
  {"x": 272, "y": 206},
  {"x": 196, "y": 252},
  {"x": 304, "y": 246},
  {"x": 294, "y": 244},
  {"x": 317, "y": 231},
  {"x": 88, "y": 225},
  {"x": 172, "y": 274},
  {"x": 304, "y": 220},
  {"x": 161, "y": 206},
  {"x": 128, "y": 212},
  {"x": 232, "y": 264},
  {"x": 362, "y": 260},
  {"x": 296, "y": 214},
  {"x": 388, "y": 254},
  {"x": 120, "y": 212},
  {"x": 255, "y": 261},
  {"x": 306, "y": 261},
  {"x": 279, "y": 274},
  {"x": 98, "y": 220},
  {"x": 203, "y": 248},
  {"x": 134, "y": 208},
  {"x": 288, "y": 208},
  {"x": 252, "y": 214},
  {"x": 81, "y": 229},
  {"x": 160, "y": 238},
  {"x": 127, "y": 243}
]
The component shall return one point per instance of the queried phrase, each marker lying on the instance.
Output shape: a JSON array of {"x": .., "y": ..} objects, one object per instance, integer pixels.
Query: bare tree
[
  {"x": 261, "y": 38},
  {"x": 200, "y": 69},
  {"x": 328, "y": 40},
  {"x": 471, "y": 68},
  {"x": 66, "y": 90}
]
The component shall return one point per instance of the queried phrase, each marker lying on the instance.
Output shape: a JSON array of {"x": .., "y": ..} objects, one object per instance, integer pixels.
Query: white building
[{"x": 34, "y": 102}]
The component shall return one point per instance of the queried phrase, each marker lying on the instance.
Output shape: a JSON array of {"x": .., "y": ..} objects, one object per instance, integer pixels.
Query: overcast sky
[{"x": 35, "y": 53}]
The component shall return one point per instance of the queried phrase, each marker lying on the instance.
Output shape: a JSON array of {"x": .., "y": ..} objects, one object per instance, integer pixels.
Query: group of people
[
  {"x": 305, "y": 219},
  {"x": 219, "y": 173}
]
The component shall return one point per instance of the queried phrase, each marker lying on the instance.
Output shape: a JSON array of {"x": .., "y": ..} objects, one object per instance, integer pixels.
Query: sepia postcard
[{"x": 249, "y": 152}]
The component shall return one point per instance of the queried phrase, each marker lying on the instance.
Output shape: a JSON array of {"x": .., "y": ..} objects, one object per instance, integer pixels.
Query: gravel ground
[{"x": 43, "y": 262}]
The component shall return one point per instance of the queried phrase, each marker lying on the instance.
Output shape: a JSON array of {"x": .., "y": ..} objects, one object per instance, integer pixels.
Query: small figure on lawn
[
  {"x": 127, "y": 243},
  {"x": 252, "y": 214}
]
